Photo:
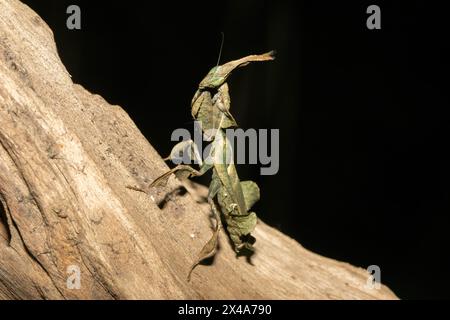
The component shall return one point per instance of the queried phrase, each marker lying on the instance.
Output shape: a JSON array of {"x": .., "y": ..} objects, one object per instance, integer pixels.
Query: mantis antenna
[{"x": 221, "y": 46}]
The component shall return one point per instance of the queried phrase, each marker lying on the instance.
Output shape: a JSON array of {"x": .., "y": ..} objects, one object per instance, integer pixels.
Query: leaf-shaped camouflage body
[
  {"x": 213, "y": 113},
  {"x": 221, "y": 100},
  {"x": 251, "y": 193},
  {"x": 234, "y": 197},
  {"x": 211, "y": 105},
  {"x": 239, "y": 224}
]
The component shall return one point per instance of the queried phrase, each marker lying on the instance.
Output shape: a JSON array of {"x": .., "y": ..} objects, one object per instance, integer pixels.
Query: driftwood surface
[{"x": 66, "y": 157}]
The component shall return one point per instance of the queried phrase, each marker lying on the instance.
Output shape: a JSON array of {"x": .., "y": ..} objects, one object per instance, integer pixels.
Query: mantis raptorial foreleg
[{"x": 182, "y": 171}]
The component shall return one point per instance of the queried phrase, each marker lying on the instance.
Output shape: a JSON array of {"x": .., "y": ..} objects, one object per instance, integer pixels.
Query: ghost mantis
[{"x": 227, "y": 195}]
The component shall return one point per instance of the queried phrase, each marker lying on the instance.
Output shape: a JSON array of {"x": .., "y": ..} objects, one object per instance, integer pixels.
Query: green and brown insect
[{"x": 234, "y": 198}]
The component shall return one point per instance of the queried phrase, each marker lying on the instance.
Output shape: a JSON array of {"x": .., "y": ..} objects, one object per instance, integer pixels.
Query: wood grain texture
[{"x": 66, "y": 157}]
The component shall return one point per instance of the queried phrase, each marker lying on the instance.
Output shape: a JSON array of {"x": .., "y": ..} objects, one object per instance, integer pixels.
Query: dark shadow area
[
  {"x": 178, "y": 192},
  {"x": 245, "y": 252},
  {"x": 4, "y": 227}
]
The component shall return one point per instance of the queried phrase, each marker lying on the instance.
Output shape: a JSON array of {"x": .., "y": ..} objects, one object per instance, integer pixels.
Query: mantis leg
[
  {"x": 182, "y": 171},
  {"x": 214, "y": 188},
  {"x": 209, "y": 249}
]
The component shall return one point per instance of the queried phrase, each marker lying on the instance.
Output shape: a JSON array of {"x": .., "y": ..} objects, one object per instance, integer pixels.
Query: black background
[{"x": 364, "y": 168}]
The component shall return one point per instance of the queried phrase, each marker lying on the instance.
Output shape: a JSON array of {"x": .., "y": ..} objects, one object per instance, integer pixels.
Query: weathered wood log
[{"x": 66, "y": 157}]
